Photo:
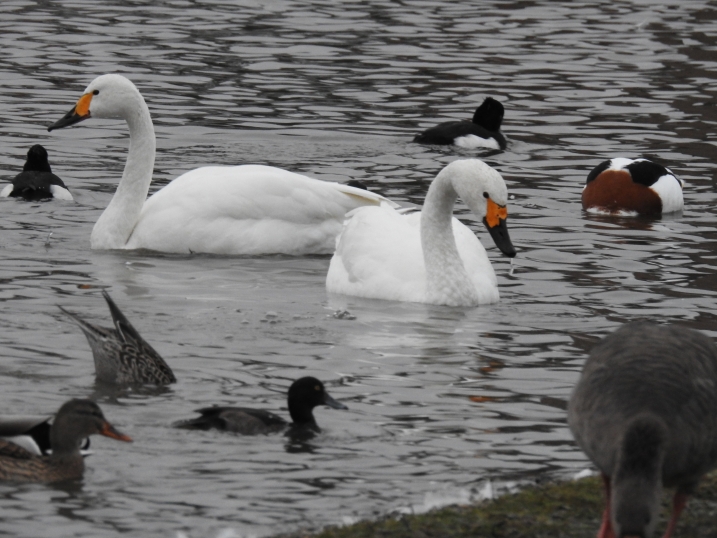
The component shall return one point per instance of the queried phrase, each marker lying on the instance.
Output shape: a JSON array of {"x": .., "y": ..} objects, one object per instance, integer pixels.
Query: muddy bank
[{"x": 554, "y": 510}]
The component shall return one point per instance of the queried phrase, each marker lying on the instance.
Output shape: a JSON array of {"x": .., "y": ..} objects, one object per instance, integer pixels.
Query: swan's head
[
  {"x": 108, "y": 96},
  {"x": 483, "y": 190}
]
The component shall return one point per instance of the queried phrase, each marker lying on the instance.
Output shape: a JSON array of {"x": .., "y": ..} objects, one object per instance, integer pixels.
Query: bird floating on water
[
  {"x": 75, "y": 421},
  {"x": 248, "y": 210},
  {"x": 427, "y": 256},
  {"x": 304, "y": 394},
  {"x": 36, "y": 181},
  {"x": 627, "y": 187},
  {"x": 121, "y": 355},
  {"x": 482, "y": 132}
]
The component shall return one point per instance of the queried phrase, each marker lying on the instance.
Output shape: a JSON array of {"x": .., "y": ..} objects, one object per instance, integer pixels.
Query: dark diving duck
[
  {"x": 304, "y": 394},
  {"x": 36, "y": 181},
  {"x": 482, "y": 132}
]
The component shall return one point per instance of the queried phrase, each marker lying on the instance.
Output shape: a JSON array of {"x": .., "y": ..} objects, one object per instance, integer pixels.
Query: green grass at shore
[{"x": 556, "y": 510}]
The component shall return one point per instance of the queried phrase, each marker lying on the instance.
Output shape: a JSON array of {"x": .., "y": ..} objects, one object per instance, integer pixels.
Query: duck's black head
[
  {"x": 489, "y": 115},
  {"x": 76, "y": 420},
  {"x": 37, "y": 160},
  {"x": 305, "y": 394}
]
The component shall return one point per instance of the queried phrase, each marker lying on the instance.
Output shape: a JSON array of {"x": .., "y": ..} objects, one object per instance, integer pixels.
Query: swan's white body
[
  {"x": 247, "y": 209},
  {"x": 426, "y": 257}
]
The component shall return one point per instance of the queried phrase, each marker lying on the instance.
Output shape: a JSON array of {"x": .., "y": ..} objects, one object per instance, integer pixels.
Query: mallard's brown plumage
[
  {"x": 121, "y": 355},
  {"x": 76, "y": 420}
]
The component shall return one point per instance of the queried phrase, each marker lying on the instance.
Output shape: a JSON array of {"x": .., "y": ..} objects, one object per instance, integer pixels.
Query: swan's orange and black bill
[
  {"x": 81, "y": 111},
  {"x": 109, "y": 431},
  {"x": 495, "y": 221}
]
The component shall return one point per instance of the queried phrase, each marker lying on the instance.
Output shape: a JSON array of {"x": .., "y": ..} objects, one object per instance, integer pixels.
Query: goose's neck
[
  {"x": 115, "y": 225},
  {"x": 447, "y": 281}
]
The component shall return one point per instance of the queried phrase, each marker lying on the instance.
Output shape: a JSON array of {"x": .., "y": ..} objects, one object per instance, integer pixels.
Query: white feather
[
  {"x": 221, "y": 210},
  {"x": 472, "y": 141},
  {"x": 60, "y": 193},
  {"x": 669, "y": 189},
  {"x": 383, "y": 254}
]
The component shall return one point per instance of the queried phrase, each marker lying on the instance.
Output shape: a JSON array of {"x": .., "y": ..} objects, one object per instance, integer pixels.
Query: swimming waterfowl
[
  {"x": 36, "y": 181},
  {"x": 76, "y": 420},
  {"x": 482, "y": 132},
  {"x": 304, "y": 394},
  {"x": 427, "y": 256},
  {"x": 31, "y": 433},
  {"x": 121, "y": 355},
  {"x": 249, "y": 209},
  {"x": 645, "y": 412},
  {"x": 628, "y": 187}
]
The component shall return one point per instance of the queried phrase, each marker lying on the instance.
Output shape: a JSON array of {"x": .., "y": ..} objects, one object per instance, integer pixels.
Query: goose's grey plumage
[
  {"x": 645, "y": 412},
  {"x": 121, "y": 355}
]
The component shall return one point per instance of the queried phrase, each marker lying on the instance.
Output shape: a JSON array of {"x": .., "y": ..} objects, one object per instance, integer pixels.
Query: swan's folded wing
[
  {"x": 379, "y": 255},
  {"x": 247, "y": 209}
]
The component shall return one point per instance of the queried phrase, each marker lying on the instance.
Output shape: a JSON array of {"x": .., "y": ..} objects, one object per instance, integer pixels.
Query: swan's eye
[
  {"x": 96, "y": 92},
  {"x": 486, "y": 195}
]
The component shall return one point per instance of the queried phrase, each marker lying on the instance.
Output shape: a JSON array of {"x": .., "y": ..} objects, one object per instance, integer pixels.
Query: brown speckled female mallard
[
  {"x": 76, "y": 420},
  {"x": 121, "y": 354},
  {"x": 645, "y": 412}
]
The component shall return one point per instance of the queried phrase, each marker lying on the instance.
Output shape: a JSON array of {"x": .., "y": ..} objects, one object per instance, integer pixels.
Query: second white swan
[
  {"x": 250, "y": 209},
  {"x": 426, "y": 257}
]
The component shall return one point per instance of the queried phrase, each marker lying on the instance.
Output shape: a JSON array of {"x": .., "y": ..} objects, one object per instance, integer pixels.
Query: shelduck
[{"x": 629, "y": 187}]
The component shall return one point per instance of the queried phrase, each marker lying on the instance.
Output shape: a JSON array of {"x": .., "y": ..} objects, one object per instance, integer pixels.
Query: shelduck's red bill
[
  {"x": 81, "y": 111},
  {"x": 109, "y": 431},
  {"x": 495, "y": 221}
]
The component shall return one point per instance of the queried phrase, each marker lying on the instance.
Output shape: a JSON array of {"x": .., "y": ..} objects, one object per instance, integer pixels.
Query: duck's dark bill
[
  {"x": 68, "y": 119},
  {"x": 109, "y": 431},
  {"x": 501, "y": 238},
  {"x": 328, "y": 400}
]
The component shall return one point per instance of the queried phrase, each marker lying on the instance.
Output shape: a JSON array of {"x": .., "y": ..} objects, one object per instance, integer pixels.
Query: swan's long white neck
[
  {"x": 115, "y": 225},
  {"x": 446, "y": 275}
]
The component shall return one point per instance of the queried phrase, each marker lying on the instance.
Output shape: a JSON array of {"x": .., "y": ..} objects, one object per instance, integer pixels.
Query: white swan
[
  {"x": 426, "y": 257},
  {"x": 248, "y": 209}
]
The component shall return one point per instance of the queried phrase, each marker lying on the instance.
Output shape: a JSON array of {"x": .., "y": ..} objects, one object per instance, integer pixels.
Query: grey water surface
[{"x": 441, "y": 400}]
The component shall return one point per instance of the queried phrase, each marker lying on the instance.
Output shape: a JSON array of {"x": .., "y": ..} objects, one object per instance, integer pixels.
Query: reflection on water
[{"x": 441, "y": 400}]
